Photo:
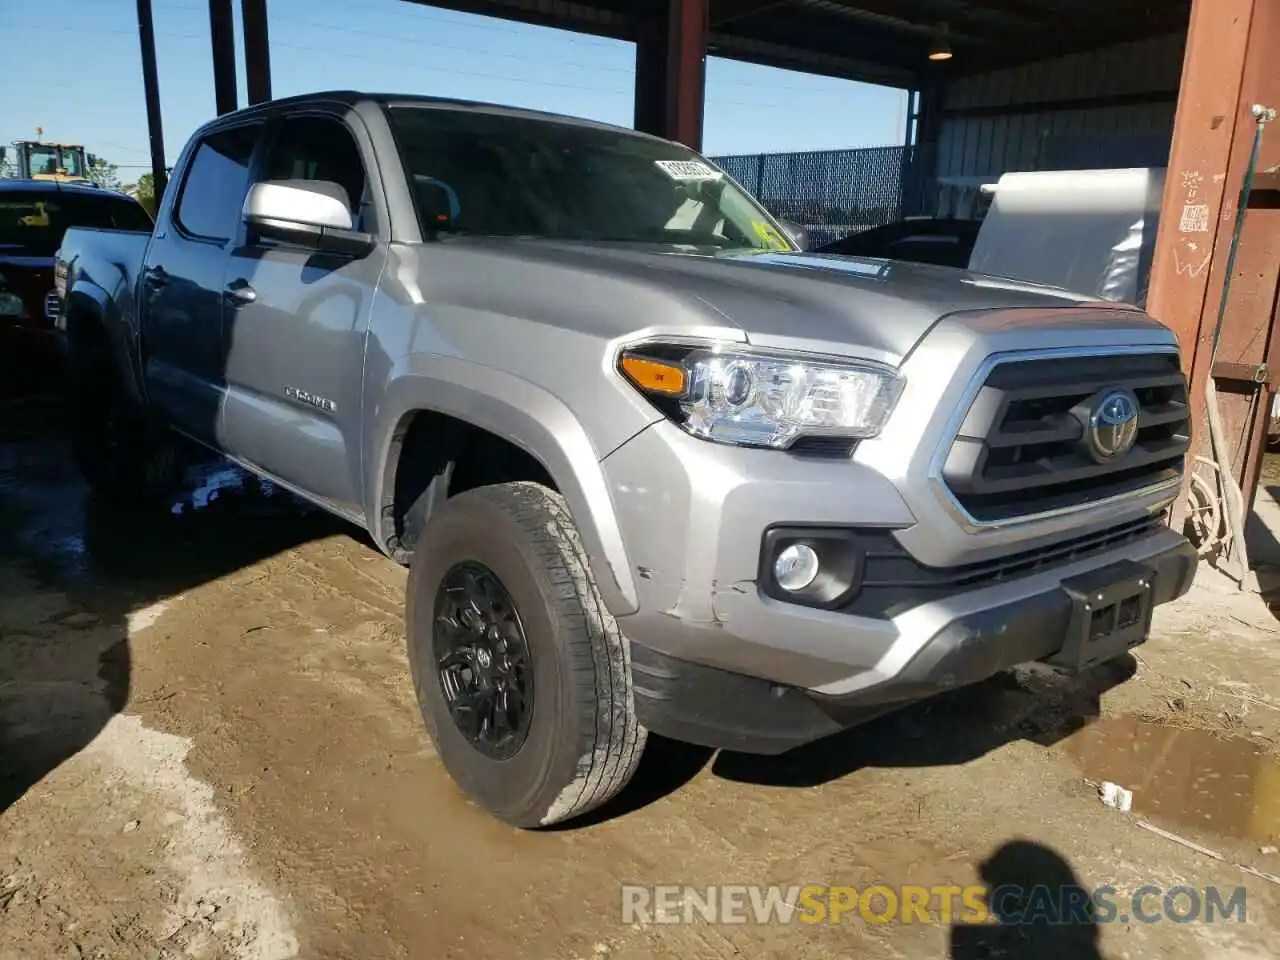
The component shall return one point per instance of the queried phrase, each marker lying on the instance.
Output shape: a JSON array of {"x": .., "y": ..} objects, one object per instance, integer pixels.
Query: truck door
[
  {"x": 296, "y": 328},
  {"x": 182, "y": 296}
]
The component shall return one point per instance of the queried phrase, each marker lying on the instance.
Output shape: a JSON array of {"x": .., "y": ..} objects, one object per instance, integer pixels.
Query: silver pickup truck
[{"x": 652, "y": 467}]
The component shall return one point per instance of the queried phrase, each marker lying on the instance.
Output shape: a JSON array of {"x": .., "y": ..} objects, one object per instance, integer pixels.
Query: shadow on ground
[
  {"x": 1040, "y": 910},
  {"x": 1034, "y": 704},
  {"x": 1031, "y": 704},
  {"x": 1261, "y": 531},
  {"x": 73, "y": 570}
]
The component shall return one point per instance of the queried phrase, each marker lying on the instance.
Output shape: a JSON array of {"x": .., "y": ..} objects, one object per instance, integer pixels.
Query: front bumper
[
  {"x": 694, "y": 515},
  {"x": 968, "y": 597},
  {"x": 718, "y": 708}
]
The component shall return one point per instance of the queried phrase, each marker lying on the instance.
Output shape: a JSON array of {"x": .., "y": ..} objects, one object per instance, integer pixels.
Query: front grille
[
  {"x": 894, "y": 581},
  {"x": 1022, "y": 447},
  {"x": 51, "y": 304}
]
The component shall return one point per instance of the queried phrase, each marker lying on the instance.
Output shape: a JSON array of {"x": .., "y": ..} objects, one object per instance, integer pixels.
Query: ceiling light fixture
[{"x": 941, "y": 49}]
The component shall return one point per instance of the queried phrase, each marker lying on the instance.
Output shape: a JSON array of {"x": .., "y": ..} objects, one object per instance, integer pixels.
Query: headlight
[{"x": 759, "y": 398}]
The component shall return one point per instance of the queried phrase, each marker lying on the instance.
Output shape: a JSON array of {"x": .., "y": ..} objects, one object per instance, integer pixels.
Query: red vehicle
[{"x": 33, "y": 217}]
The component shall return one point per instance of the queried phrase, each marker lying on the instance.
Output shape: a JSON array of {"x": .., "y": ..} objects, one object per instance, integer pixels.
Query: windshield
[
  {"x": 515, "y": 176},
  {"x": 32, "y": 224},
  {"x": 46, "y": 159}
]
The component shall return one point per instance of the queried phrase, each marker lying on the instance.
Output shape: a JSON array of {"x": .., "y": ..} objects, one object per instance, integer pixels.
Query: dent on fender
[{"x": 697, "y": 607}]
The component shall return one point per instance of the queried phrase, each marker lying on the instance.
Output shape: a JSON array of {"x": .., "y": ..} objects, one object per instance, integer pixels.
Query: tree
[
  {"x": 104, "y": 174},
  {"x": 144, "y": 192}
]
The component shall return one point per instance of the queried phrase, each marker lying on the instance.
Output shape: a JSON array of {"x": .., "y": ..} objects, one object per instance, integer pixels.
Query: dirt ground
[{"x": 209, "y": 748}]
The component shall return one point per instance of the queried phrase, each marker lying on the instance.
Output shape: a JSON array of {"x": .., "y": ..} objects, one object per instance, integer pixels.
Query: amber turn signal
[{"x": 655, "y": 376}]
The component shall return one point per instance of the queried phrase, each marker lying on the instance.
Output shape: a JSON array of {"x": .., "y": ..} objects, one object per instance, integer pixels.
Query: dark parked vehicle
[
  {"x": 34, "y": 215},
  {"x": 944, "y": 241}
]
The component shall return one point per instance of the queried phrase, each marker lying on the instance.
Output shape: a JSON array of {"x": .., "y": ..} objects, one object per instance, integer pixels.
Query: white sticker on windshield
[{"x": 687, "y": 170}]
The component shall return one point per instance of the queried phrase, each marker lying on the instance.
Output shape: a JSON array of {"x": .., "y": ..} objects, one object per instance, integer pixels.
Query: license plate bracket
[{"x": 1111, "y": 611}]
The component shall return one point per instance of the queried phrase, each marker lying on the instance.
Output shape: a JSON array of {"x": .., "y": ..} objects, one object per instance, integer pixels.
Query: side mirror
[
  {"x": 796, "y": 234},
  {"x": 311, "y": 213}
]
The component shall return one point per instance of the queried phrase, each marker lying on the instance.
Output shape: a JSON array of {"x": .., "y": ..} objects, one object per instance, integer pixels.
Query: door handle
[
  {"x": 156, "y": 277},
  {"x": 239, "y": 291}
]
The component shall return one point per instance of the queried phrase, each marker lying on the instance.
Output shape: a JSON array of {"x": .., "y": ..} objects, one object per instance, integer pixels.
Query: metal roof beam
[
  {"x": 726, "y": 11},
  {"x": 591, "y": 18},
  {"x": 788, "y": 56},
  {"x": 925, "y": 16}
]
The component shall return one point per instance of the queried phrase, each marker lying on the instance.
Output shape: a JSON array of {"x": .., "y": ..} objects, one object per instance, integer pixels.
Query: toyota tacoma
[{"x": 652, "y": 467}]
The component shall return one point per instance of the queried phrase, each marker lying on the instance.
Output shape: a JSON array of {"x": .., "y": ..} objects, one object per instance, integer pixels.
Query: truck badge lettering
[{"x": 302, "y": 396}]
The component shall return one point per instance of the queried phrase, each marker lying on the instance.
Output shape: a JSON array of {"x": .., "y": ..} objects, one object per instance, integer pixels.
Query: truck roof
[
  {"x": 354, "y": 97},
  {"x": 13, "y": 184}
]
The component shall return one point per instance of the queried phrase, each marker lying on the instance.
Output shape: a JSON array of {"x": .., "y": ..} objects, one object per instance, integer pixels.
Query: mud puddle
[{"x": 1187, "y": 776}]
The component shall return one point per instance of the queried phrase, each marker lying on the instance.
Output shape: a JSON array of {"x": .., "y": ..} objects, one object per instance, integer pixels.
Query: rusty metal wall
[
  {"x": 1125, "y": 98},
  {"x": 1230, "y": 65}
]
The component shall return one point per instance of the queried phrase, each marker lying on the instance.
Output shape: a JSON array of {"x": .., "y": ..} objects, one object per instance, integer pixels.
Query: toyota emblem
[{"x": 1113, "y": 425}]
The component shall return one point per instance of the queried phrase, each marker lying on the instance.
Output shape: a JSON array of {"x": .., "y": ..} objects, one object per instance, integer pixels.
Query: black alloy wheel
[{"x": 485, "y": 670}]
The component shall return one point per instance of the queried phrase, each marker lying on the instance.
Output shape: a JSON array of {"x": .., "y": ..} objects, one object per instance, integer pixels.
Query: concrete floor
[{"x": 209, "y": 748}]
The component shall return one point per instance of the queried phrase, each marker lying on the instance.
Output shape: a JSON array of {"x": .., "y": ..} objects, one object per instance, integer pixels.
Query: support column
[
  {"x": 671, "y": 72},
  {"x": 222, "y": 36},
  {"x": 1228, "y": 66},
  {"x": 151, "y": 93},
  {"x": 921, "y": 167},
  {"x": 687, "y": 70},
  {"x": 257, "y": 50},
  {"x": 651, "y": 77}
]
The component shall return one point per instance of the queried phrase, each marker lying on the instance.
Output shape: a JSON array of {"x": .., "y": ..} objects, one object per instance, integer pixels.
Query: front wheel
[{"x": 522, "y": 676}]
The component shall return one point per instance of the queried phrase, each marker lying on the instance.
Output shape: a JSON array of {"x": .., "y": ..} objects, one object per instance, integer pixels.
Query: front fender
[{"x": 527, "y": 416}]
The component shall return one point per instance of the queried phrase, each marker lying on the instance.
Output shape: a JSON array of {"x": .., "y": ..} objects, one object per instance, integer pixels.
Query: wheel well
[
  {"x": 428, "y": 445},
  {"x": 86, "y": 335}
]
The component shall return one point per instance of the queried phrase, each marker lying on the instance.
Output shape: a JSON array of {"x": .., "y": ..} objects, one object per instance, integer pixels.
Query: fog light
[{"x": 796, "y": 567}]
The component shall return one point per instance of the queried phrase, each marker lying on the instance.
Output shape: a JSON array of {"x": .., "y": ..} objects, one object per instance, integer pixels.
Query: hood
[{"x": 787, "y": 299}]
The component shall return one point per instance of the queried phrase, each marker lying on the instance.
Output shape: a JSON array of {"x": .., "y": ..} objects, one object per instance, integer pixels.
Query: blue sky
[{"x": 72, "y": 67}]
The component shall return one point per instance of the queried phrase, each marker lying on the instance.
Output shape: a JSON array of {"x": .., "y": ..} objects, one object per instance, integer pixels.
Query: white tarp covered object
[{"x": 1088, "y": 231}]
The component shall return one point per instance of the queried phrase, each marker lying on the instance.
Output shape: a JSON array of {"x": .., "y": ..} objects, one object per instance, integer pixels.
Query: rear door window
[{"x": 217, "y": 180}]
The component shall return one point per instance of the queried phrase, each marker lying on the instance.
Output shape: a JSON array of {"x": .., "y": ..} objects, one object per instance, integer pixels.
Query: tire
[
  {"x": 582, "y": 741},
  {"x": 123, "y": 457}
]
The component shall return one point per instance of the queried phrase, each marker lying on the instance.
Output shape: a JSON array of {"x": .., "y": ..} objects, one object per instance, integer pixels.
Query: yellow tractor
[{"x": 40, "y": 160}]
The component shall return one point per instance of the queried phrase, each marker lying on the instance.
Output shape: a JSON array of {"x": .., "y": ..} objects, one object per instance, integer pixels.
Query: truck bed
[{"x": 111, "y": 258}]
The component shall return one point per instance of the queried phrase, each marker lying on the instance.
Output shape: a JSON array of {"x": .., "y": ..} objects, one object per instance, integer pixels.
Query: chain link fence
[{"x": 831, "y": 193}]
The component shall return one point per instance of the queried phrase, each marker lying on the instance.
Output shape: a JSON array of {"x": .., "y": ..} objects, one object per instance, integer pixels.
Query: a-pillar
[
  {"x": 257, "y": 50},
  {"x": 671, "y": 56}
]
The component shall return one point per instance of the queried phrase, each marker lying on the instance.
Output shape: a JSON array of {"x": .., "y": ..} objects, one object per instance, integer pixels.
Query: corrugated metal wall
[{"x": 976, "y": 149}]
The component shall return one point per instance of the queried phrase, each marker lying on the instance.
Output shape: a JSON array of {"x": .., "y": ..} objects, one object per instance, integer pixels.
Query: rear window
[{"x": 32, "y": 224}]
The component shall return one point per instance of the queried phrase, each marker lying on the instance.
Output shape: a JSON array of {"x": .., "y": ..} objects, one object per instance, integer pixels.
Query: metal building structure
[
  {"x": 996, "y": 85},
  {"x": 1110, "y": 107}
]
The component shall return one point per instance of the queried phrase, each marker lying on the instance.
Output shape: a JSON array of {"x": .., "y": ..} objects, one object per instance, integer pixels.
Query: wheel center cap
[{"x": 483, "y": 658}]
